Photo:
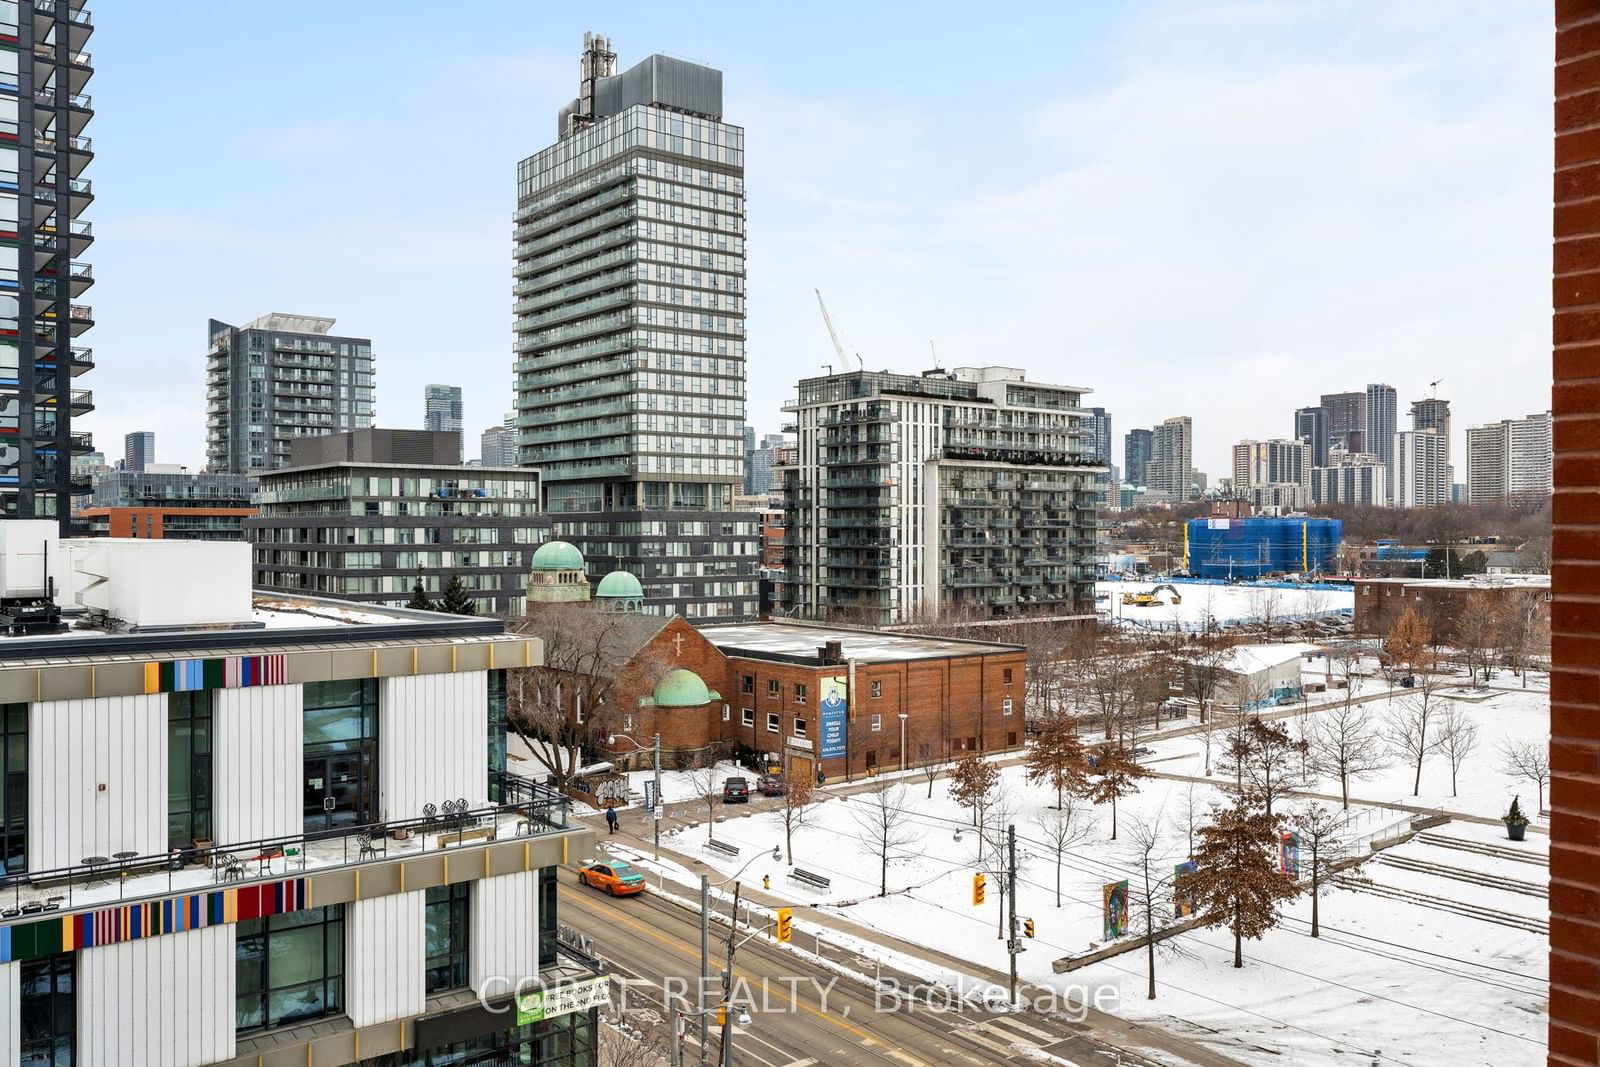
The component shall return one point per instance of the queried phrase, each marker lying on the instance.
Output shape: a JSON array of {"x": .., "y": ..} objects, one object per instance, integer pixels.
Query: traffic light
[
  {"x": 785, "y": 924},
  {"x": 1027, "y": 927},
  {"x": 722, "y": 1014},
  {"x": 977, "y": 889}
]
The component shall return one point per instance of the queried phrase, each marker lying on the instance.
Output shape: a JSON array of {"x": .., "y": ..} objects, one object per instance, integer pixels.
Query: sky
[{"x": 1218, "y": 209}]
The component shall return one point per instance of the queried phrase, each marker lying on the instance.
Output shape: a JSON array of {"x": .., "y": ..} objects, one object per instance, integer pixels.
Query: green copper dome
[
  {"x": 619, "y": 585},
  {"x": 557, "y": 556},
  {"x": 681, "y": 689}
]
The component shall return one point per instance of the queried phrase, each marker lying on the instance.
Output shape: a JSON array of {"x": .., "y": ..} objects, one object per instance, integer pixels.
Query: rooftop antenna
[{"x": 833, "y": 334}]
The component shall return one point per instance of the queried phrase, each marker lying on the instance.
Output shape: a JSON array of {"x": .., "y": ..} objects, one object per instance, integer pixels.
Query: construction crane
[
  {"x": 833, "y": 333},
  {"x": 1434, "y": 385}
]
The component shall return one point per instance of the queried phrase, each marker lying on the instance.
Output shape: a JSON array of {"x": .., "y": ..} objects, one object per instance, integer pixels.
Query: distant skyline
[{"x": 1219, "y": 210}]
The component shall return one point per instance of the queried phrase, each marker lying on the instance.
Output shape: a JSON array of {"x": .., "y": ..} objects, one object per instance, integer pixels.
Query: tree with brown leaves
[
  {"x": 1236, "y": 884},
  {"x": 1056, "y": 758},
  {"x": 798, "y": 789},
  {"x": 973, "y": 781},
  {"x": 1116, "y": 774}
]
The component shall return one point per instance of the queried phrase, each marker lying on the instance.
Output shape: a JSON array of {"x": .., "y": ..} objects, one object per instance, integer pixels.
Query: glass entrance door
[{"x": 337, "y": 796}]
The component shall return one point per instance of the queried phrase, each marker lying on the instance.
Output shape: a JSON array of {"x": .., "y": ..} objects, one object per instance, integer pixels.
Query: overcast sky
[{"x": 1216, "y": 209}]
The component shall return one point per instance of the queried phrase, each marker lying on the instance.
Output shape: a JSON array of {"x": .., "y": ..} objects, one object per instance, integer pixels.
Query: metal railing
[{"x": 540, "y": 810}]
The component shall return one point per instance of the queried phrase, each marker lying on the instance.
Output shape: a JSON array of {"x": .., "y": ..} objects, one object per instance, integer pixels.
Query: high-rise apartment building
[
  {"x": 498, "y": 446},
  {"x": 138, "y": 450},
  {"x": 630, "y": 371},
  {"x": 1137, "y": 448},
  {"x": 1273, "y": 473},
  {"x": 1350, "y": 478},
  {"x": 441, "y": 408},
  {"x": 759, "y": 475},
  {"x": 277, "y": 378},
  {"x": 1311, "y": 427},
  {"x": 1170, "y": 472},
  {"x": 44, "y": 195},
  {"x": 1099, "y": 424},
  {"x": 1346, "y": 418},
  {"x": 1421, "y": 469},
  {"x": 1509, "y": 461},
  {"x": 969, "y": 491},
  {"x": 1379, "y": 438}
]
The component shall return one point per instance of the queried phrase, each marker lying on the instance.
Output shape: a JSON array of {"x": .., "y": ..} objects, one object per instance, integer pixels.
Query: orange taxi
[{"x": 615, "y": 877}]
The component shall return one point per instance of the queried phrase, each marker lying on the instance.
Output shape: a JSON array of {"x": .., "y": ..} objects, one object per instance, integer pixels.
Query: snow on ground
[
  {"x": 1225, "y": 603},
  {"x": 1482, "y": 787},
  {"x": 687, "y": 787},
  {"x": 1389, "y": 981}
]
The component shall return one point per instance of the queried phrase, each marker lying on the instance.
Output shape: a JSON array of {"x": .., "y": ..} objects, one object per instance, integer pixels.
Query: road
[{"x": 802, "y": 1014}]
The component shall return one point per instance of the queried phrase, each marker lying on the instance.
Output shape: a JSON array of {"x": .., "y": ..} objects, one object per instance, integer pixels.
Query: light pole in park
[
  {"x": 655, "y": 807},
  {"x": 903, "y": 717}
]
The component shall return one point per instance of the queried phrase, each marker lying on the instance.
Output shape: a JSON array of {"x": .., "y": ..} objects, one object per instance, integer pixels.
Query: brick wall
[
  {"x": 1380, "y": 602},
  {"x": 1575, "y": 621}
]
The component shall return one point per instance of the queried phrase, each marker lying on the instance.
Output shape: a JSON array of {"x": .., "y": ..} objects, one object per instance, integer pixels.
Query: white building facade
[
  {"x": 1352, "y": 478},
  {"x": 1421, "y": 466},
  {"x": 1510, "y": 461}
]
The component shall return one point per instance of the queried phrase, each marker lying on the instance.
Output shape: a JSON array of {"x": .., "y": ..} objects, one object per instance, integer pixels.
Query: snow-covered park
[
  {"x": 1226, "y": 604},
  {"x": 1388, "y": 981}
]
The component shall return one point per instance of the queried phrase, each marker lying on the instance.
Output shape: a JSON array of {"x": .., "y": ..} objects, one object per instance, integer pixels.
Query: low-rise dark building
[
  {"x": 363, "y": 515},
  {"x": 170, "y": 502},
  {"x": 1444, "y": 603}
]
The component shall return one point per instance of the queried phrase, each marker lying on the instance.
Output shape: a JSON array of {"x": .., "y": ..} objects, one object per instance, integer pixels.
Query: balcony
[
  {"x": 82, "y": 401},
  {"x": 531, "y": 811},
  {"x": 77, "y": 24},
  {"x": 47, "y": 102}
]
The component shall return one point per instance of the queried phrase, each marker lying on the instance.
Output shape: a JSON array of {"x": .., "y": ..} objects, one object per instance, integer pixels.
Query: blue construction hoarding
[{"x": 1256, "y": 547}]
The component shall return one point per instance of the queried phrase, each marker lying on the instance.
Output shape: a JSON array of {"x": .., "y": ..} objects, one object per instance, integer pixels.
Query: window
[
  {"x": 877, "y": 723},
  {"x": 14, "y": 759},
  {"x": 799, "y": 727},
  {"x": 748, "y": 716},
  {"x": 799, "y": 692},
  {"x": 290, "y": 967},
  {"x": 446, "y": 917},
  {"x": 1005, "y": 706},
  {"x": 497, "y": 733},
  {"x": 627, "y": 723},
  {"x": 747, "y": 683},
  {"x": 1006, "y": 676},
  {"x": 772, "y": 723},
  {"x": 877, "y": 690},
  {"x": 547, "y": 917},
  {"x": 726, "y": 715},
  {"x": 48, "y": 1010},
  {"x": 188, "y": 767}
]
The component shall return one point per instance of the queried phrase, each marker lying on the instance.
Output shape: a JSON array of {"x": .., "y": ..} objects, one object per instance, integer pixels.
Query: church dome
[
  {"x": 619, "y": 585},
  {"x": 681, "y": 689},
  {"x": 557, "y": 556}
]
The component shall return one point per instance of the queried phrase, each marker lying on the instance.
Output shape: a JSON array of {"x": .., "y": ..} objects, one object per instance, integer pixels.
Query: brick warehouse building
[
  {"x": 1443, "y": 603},
  {"x": 1575, "y": 623},
  {"x": 768, "y": 689}
]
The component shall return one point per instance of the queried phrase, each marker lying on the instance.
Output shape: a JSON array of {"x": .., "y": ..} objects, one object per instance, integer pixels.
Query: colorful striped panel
[
  {"x": 134, "y": 922},
  {"x": 230, "y": 672}
]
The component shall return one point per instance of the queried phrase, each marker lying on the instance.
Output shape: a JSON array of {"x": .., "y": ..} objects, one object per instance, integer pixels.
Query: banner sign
[
  {"x": 650, "y": 795},
  {"x": 544, "y": 1004},
  {"x": 833, "y": 695},
  {"x": 1289, "y": 856},
  {"x": 1116, "y": 909},
  {"x": 1182, "y": 897}
]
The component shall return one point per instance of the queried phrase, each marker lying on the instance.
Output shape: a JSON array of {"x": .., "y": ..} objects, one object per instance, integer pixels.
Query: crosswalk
[{"x": 1007, "y": 1036}]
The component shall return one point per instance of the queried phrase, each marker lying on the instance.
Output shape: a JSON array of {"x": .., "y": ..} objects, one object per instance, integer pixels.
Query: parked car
[
  {"x": 736, "y": 791},
  {"x": 615, "y": 877},
  {"x": 770, "y": 785}
]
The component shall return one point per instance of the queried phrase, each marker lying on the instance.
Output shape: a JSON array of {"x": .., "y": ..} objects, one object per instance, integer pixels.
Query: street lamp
[
  {"x": 903, "y": 717},
  {"x": 656, "y": 808},
  {"x": 705, "y": 954}
]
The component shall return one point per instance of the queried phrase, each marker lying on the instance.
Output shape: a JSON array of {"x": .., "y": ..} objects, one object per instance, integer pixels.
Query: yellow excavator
[{"x": 1152, "y": 599}]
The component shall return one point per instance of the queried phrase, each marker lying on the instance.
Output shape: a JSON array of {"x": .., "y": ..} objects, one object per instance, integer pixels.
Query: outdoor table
[
  {"x": 94, "y": 863},
  {"x": 122, "y": 859}
]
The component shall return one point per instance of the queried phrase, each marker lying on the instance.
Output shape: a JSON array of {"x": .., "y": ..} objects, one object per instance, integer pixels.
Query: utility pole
[
  {"x": 1012, "y": 948},
  {"x": 705, "y": 960},
  {"x": 727, "y": 983},
  {"x": 656, "y": 812}
]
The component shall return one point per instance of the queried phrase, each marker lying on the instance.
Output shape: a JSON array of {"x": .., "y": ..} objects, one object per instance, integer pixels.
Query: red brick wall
[{"x": 1575, "y": 619}]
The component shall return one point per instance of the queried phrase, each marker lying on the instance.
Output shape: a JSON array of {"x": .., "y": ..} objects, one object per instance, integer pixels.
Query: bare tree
[
  {"x": 1187, "y": 816},
  {"x": 1347, "y": 745},
  {"x": 1274, "y": 762},
  {"x": 1319, "y": 828},
  {"x": 993, "y": 854},
  {"x": 1476, "y": 633},
  {"x": 1458, "y": 736},
  {"x": 1110, "y": 685},
  {"x": 884, "y": 826},
  {"x": 706, "y": 784},
  {"x": 931, "y": 765},
  {"x": 1412, "y": 731},
  {"x": 798, "y": 787},
  {"x": 565, "y": 706},
  {"x": 1266, "y": 608},
  {"x": 626, "y": 1043},
  {"x": 1205, "y": 661},
  {"x": 1063, "y": 827},
  {"x": 1528, "y": 760},
  {"x": 1149, "y": 889}
]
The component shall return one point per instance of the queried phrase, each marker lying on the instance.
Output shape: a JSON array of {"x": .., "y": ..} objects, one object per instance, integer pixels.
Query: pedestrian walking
[{"x": 611, "y": 819}]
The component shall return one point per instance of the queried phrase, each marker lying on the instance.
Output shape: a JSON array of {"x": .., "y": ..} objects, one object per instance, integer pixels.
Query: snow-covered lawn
[
  {"x": 1225, "y": 603},
  {"x": 1482, "y": 786},
  {"x": 1388, "y": 979}
]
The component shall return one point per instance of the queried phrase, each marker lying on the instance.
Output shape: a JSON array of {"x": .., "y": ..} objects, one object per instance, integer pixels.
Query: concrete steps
[
  {"x": 1464, "y": 874},
  {"x": 1483, "y": 848},
  {"x": 1428, "y": 900}
]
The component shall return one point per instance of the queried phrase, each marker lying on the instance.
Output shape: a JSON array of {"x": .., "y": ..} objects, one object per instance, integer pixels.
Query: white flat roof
[{"x": 788, "y": 639}]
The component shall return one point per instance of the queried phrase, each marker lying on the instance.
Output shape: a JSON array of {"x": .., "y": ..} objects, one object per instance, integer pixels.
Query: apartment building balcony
[
  {"x": 81, "y": 401},
  {"x": 528, "y": 810},
  {"x": 76, "y": 70},
  {"x": 555, "y": 296},
  {"x": 74, "y": 151},
  {"x": 530, "y": 245},
  {"x": 534, "y": 223},
  {"x": 531, "y": 280},
  {"x": 46, "y": 197},
  {"x": 78, "y": 24},
  {"x": 47, "y": 104}
]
